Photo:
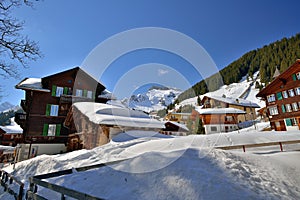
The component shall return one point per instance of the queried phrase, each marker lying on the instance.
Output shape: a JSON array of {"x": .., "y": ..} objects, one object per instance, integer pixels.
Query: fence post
[
  {"x": 244, "y": 148},
  {"x": 280, "y": 144}
]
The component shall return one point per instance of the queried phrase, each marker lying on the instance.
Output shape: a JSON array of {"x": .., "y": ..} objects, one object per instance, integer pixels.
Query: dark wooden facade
[
  {"x": 282, "y": 97},
  {"x": 46, "y": 108}
]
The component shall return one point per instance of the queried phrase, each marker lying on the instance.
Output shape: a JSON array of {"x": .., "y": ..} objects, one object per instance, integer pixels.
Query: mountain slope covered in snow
[
  {"x": 245, "y": 89},
  {"x": 156, "y": 98}
]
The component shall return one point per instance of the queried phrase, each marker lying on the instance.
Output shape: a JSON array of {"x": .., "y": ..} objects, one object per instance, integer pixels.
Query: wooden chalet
[
  {"x": 282, "y": 97},
  {"x": 177, "y": 117},
  {"x": 216, "y": 120},
  {"x": 174, "y": 128},
  {"x": 97, "y": 123},
  {"x": 10, "y": 135},
  {"x": 48, "y": 100},
  {"x": 237, "y": 103}
]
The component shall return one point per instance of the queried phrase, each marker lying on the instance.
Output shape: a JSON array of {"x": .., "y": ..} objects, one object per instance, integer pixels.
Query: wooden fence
[
  {"x": 8, "y": 181},
  {"x": 244, "y": 146},
  {"x": 39, "y": 180}
]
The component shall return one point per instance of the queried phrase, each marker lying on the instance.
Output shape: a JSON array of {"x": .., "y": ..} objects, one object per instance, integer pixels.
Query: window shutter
[
  {"x": 66, "y": 90},
  {"x": 45, "y": 130},
  {"x": 294, "y": 77},
  {"x": 84, "y": 93},
  {"x": 283, "y": 108},
  {"x": 288, "y": 122},
  {"x": 53, "y": 90},
  {"x": 58, "y": 127},
  {"x": 48, "y": 109},
  {"x": 279, "y": 95}
]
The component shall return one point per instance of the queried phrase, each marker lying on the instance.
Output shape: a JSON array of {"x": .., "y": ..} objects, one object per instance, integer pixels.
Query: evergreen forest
[{"x": 281, "y": 54}]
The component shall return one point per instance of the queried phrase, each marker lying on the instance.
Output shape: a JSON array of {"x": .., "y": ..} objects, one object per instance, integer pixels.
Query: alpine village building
[
  {"x": 282, "y": 97},
  {"x": 47, "y": 103}
]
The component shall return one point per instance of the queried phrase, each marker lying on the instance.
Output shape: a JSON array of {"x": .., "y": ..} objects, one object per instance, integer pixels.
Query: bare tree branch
[{"x": 15, "y": 48}]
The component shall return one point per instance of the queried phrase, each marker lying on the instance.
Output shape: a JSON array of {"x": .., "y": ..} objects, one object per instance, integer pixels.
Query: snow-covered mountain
[
  {"x": 156, "y": 98},
  {"x": 6, "y": 106}
]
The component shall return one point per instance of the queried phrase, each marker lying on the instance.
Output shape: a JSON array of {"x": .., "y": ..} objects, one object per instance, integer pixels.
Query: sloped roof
[
  {"x": 181, "y": 127},
  {"x": 12, "y": 128},
  {"x": 37, "y": 83},
  {"x": 31, "y": 84},
  {"x": 234, "y": 101},
  {"x": 211, "y": 111},
  {"x": 100, "y": 113}
]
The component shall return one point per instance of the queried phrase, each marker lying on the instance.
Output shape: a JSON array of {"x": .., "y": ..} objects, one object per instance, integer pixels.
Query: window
[
  {"x": 279, "y": 95},
  {"x": 58, "y": 91},
  {"x": 271, "y": 98},
  {"x": 288, "y": 107},
  {"x": 297, "y": 90},
  {"x": 54, "y": 110},
  {"x": 273, "y": 110},
  {"x": 78, "y": 93},
  {"x": 295, "y": 106},
  {"x": 67, "y": 90},
  {"x": 285, "y": 94},
  {"x": 291, "y": 93},
  {"x": 228, "y": 119},
  {"x": 51, "y": 129},
  {"x": 213, "y": 128},
  {"x": 89, "y": 94},
  {"x": 291, "y": 122},
  {"x": 51, "y": 110},
  {"x": 298, "y": 76}
]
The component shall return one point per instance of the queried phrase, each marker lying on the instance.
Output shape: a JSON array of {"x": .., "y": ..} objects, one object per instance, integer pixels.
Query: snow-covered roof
[
  {"x": 235, "y": 101},
  {"x": 100, "y": 113},
  {"x": 32, "y": 84},
  {"x": 13, "y": 128},
  {"x": 181, "y": 126},
  {"x": 207, "y": 111}
]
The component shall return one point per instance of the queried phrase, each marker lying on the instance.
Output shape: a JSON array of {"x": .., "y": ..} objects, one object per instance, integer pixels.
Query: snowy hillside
[
  {"x": 244, "y": 89},
  {"x": 165, "y": 167},
  {"x": 154, "y": 99}
]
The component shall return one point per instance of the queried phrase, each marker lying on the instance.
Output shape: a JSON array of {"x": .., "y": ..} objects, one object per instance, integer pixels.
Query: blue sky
[{"x": 68, "y": 30}]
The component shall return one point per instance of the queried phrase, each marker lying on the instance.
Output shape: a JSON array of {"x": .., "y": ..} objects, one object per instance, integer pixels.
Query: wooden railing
[
  {"x": 39, "y": 180},
  {"x": 7, "y": 181},
  {"x": 244, "y": 146}
]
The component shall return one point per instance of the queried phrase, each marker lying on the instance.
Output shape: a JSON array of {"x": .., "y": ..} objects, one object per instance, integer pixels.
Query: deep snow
[{"x": 186, "y": 167}]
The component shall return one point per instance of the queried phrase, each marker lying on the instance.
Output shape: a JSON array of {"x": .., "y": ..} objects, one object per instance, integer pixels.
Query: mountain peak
[
  {"x": 156, "y": 98},
  {"x": 5, "y": 106}
]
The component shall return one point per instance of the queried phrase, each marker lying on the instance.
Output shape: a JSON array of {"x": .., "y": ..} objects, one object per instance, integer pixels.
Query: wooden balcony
[{"x": 20, "y": 118}]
